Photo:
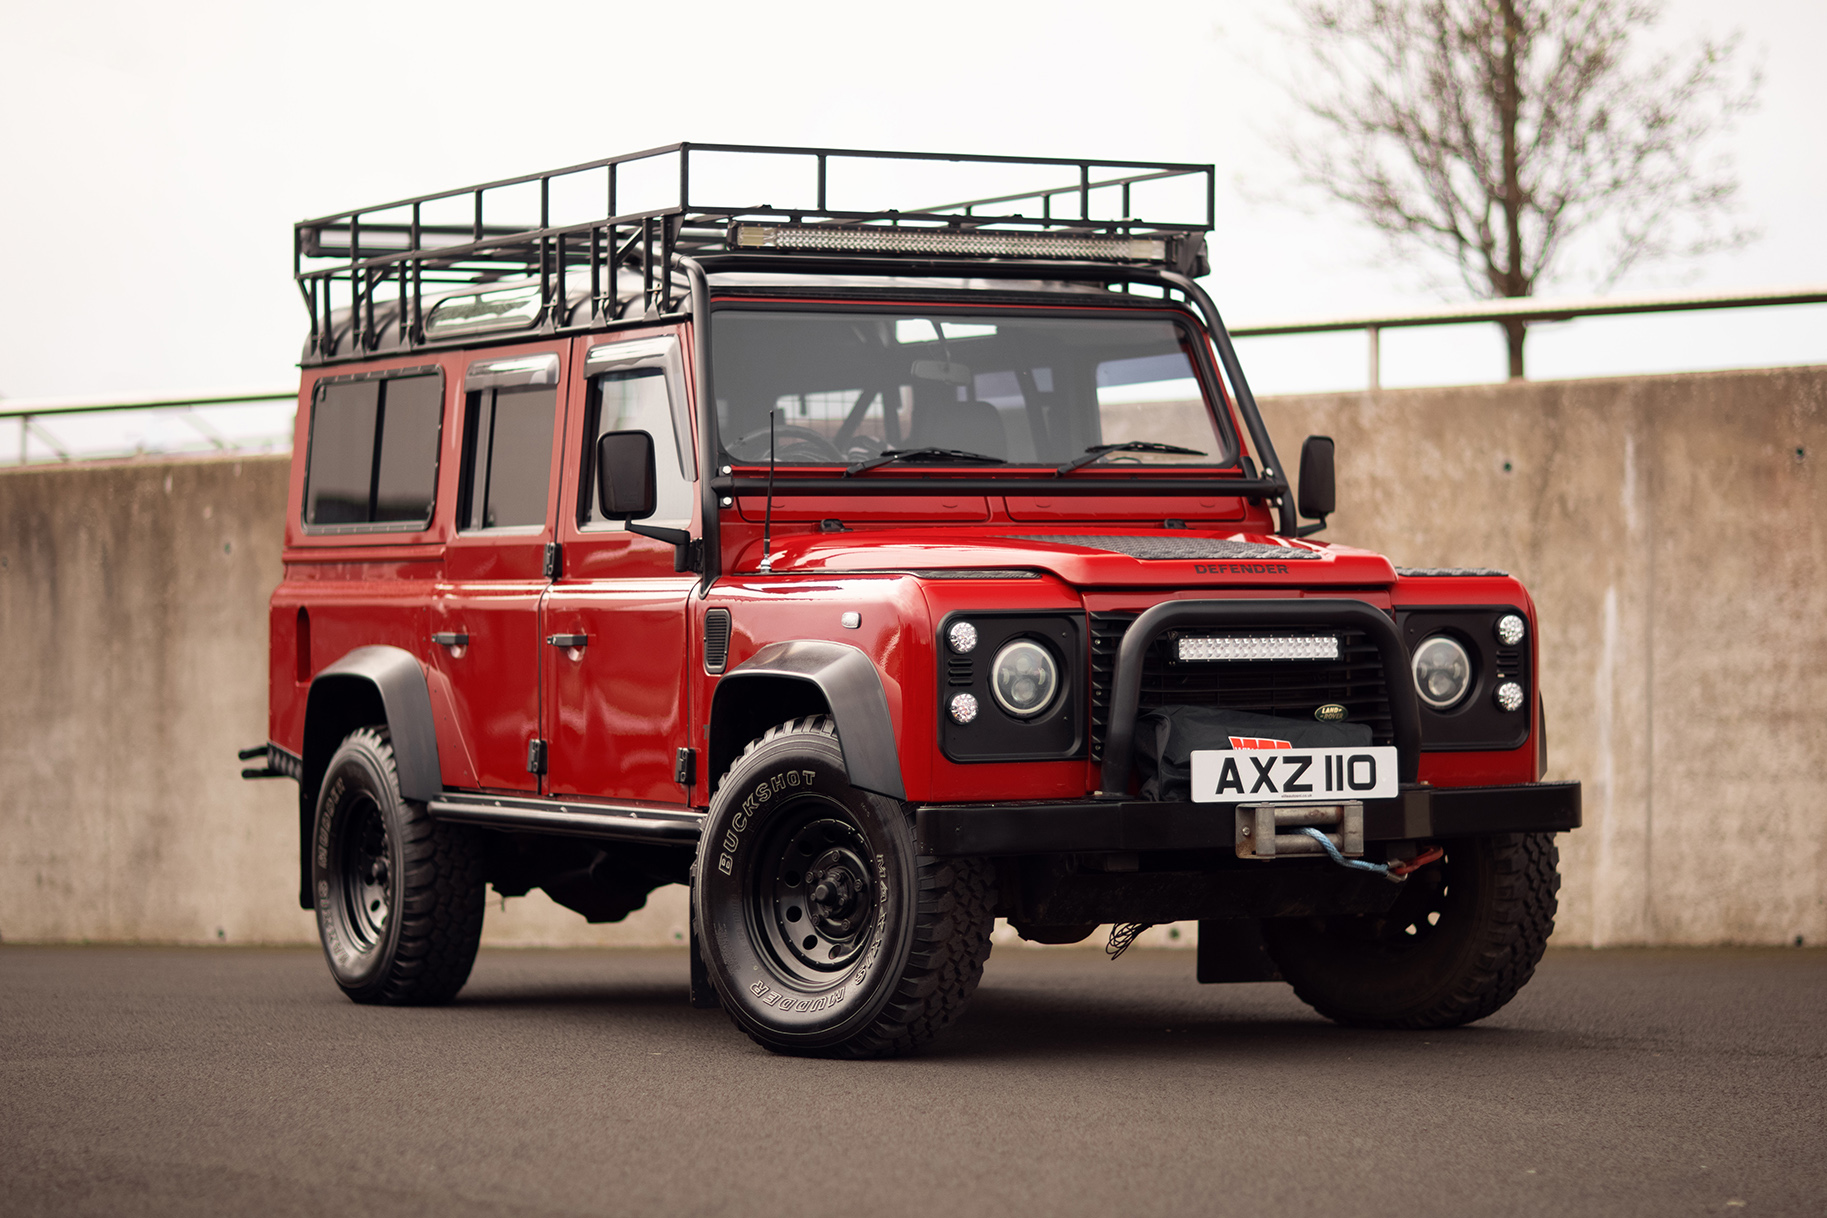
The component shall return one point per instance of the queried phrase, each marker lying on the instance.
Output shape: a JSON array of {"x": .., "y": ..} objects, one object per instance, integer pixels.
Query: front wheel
[
  {"x": 1462, "y": 938},
  {"x": 399, "y": 895},
  {"x": 822, "y": 930}
]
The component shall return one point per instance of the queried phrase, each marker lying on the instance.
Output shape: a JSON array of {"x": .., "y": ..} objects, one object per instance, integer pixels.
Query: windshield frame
[{"x": 1196, "y": 341}]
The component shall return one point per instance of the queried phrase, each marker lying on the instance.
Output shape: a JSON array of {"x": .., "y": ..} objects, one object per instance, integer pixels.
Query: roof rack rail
[{"x": 539, "y": 235}]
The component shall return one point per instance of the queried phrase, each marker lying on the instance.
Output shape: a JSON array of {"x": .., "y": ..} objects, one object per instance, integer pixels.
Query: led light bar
[
  {"x": 969, "y": 242},
  {"x": 1277, "y": 647}
]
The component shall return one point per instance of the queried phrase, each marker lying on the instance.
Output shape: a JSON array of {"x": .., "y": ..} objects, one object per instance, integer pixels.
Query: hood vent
[{"x": 1159, "y": 548}]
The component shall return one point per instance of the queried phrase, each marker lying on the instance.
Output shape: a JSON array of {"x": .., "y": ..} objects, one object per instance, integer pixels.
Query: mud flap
[{"x": 1231, "y": 949}]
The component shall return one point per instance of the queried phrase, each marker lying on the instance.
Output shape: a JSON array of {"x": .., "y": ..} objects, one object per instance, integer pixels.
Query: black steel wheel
[
  {"x": 1462, "y": 938},
  {"x": 399, "y": 895},
  {"x": 822, "y": 930}
]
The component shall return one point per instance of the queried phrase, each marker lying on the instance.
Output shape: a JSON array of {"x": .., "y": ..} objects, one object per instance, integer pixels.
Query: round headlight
[
  {"x": 964, "y": 708},
  {"x": 1509, "y": 696},
  {"x": 962, "y": 637},
  {"x": 1443, "y": 672},
  {"x": 1510, "y": 629},
  {"x": 1024, "y": 678}
]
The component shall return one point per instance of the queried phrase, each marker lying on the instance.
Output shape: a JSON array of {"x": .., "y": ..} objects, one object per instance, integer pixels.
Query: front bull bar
[{"x": 1126, "y": 687}]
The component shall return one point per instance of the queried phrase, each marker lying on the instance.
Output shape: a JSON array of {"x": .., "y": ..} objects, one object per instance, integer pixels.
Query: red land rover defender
[{"x": 876, "y": 573}]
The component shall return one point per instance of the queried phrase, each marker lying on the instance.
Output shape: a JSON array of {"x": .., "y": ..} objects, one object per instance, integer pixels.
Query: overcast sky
[{"x": 155, "y": 157}]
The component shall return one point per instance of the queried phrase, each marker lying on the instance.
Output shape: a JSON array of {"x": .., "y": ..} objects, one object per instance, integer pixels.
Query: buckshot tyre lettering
[{"x": 823, "y": 931}]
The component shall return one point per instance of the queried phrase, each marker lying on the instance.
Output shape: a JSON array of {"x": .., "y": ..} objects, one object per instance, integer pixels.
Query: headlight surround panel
[
  {"x": 1056, "y": 733},
  {"x": 1475, "y": 723}
]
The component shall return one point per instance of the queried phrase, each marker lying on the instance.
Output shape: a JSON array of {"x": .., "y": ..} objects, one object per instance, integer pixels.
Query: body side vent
[{"x": 716, "y": 640}]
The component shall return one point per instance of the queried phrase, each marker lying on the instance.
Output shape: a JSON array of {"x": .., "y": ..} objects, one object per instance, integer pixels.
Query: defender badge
[{"x": 1332, "y": 712}]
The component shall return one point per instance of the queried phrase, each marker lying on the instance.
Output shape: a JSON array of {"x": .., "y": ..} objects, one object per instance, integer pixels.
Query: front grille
[{"x": 1292, "y": 688}]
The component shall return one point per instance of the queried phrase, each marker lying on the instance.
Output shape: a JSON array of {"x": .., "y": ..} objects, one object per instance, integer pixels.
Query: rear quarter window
[{"x": 373, "y": 463}]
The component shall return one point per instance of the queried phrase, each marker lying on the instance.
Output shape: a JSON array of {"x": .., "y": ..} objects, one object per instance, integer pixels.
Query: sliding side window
[
  {"x": 510, "y": 412},
  {"x": 373, "y": 464}
]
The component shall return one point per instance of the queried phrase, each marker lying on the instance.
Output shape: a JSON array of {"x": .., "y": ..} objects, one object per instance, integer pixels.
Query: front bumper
[{"x": 1419, "y": 812}]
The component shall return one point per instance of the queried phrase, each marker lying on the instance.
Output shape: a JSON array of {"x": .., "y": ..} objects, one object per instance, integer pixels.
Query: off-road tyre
[
  {"x": 1461, "y": 939},
  {"x": 872, "y": 964},
  {"x": 399, "y": 896}
]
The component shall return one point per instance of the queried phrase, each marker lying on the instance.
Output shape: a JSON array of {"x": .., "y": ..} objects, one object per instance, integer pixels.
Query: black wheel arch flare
[
  {"x": 809, "y": 676},
  {"x": 370, "y": 685}
]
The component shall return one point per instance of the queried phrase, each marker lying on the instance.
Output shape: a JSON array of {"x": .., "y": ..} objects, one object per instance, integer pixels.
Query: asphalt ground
[{"x": 239, "y": 1081}]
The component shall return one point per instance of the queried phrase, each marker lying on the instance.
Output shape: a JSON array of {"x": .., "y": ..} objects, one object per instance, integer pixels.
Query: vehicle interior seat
[{"x": 973, "y": 426}]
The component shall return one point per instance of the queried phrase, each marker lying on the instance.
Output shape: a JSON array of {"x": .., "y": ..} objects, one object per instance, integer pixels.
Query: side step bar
[{"x": 572, "y": 818}]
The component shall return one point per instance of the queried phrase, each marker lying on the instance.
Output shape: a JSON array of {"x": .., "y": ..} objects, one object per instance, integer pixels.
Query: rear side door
[
  {"x": 617, "y": 712},
  {"x": 485, "y": 615}
]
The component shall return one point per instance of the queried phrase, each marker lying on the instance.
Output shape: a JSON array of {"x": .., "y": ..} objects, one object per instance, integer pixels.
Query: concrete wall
[
  {"x": 1674, "y": 535},
  {"x": 1670, "y": 528},
  {"x": 133, "y": 656}
]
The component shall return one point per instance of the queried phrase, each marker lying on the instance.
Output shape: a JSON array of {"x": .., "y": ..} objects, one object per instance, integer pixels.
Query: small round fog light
[
  {"x": 963, "y": 708},
  {"x": 1510, "y": 629},
  {"x": 1509, "y": 696},
  {"x": 962, "y": 637}
]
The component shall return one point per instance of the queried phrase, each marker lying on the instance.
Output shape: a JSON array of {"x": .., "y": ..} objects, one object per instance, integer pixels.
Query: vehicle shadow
[{"x": 1066, "y": 1011}]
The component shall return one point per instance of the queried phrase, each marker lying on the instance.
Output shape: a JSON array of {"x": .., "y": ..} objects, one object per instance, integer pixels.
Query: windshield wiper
[
  {"x": 1099, "y": 451},
  {"x": 922, "y": 454}
]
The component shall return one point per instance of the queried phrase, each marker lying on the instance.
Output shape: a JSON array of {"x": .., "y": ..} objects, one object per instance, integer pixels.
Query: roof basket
[{"x": 540, "y": 236}]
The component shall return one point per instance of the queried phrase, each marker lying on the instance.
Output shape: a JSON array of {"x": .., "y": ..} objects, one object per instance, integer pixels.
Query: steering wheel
[
  {"x": 790, "y": 444},
  {"x": 863, "y": 448}
]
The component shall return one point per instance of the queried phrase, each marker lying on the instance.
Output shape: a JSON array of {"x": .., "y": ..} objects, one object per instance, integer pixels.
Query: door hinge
[
  {"x": 555, "y": 560},
  {"x": 685, "y": 768},
  {"x": 536, "y": 756}
]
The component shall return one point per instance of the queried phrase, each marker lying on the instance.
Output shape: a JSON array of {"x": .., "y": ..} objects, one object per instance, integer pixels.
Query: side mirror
[
  {"x": 625, "y": 475},
  {"x": 1318, "y": 495}
]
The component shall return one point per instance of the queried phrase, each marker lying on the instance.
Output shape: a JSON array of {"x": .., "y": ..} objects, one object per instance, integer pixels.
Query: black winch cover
[{"x": 1167, "y": 735}]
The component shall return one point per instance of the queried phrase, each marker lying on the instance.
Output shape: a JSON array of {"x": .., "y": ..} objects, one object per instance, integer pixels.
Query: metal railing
[
  {"x": 1526, "y": 309},
  {"x": 195, "y": 412},
  {"x": 207, "y": 423}
]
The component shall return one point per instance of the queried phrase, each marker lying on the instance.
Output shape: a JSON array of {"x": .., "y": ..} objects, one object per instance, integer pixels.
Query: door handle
[
  {"x": 568, "y": 640},
  {"x": 450, "y": 638}
]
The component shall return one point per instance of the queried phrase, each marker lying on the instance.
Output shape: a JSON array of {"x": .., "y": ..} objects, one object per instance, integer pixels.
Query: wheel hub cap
[{"x": 819, "y": 897}]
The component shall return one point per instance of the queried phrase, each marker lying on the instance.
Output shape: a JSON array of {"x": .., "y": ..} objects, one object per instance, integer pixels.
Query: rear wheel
[
  {"x": 1462, "y": 938},
  {"x": 822, "y": 930},
  {"x": 399, "y": 896}
]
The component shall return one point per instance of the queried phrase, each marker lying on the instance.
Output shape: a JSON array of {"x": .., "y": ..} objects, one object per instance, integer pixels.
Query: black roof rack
[{"x": 538, "y": 235}]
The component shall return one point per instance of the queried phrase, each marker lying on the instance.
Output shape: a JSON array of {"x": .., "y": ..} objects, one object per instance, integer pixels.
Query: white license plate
[{"x": 1272, "y": 776}]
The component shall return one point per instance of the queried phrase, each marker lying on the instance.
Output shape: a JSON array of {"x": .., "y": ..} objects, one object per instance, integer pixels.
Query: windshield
[{"x": 1027, "y": 390}]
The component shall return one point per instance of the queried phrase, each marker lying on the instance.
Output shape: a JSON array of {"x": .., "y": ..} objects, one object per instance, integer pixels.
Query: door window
[
  {"x": 507, "y": 444},
  {"x": 632, "y": 389}
]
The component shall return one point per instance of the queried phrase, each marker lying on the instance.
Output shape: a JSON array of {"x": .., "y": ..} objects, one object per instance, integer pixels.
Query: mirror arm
[
  {"x": 686, "y": 553},
  {"x": 1308, "y": 530}
]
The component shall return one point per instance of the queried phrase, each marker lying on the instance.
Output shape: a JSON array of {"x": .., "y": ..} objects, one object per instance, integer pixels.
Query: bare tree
[{"x": 1495, "y": 132}]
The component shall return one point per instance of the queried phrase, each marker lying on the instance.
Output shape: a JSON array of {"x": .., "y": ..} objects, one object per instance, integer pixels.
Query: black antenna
[{"x": 767, "y": 514}]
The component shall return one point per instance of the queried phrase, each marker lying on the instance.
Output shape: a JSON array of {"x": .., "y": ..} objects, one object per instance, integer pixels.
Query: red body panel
[{"x": 616, "y": 711}]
